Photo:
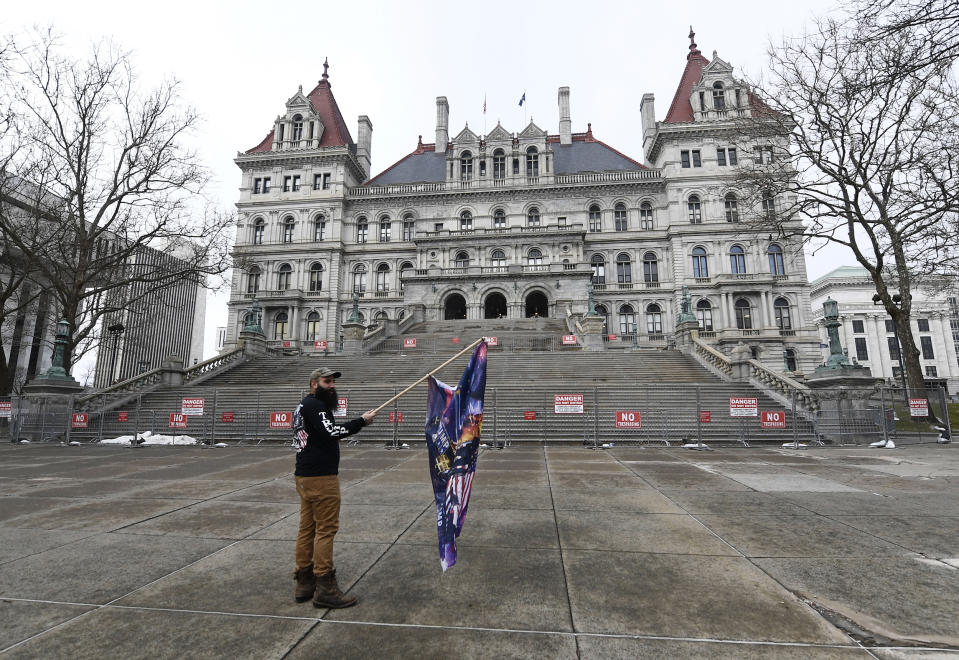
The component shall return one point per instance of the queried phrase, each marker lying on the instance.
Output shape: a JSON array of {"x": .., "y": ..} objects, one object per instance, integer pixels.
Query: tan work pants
[{"x": 319, "y": 521}]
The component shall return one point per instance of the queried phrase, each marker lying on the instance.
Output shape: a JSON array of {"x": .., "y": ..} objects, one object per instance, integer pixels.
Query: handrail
[
  {"x": 130, "y": 384},
  {"x": 710, "y": 355},
  {"x": 213, "y": 364},
  {"x": 783, "y": 384}
]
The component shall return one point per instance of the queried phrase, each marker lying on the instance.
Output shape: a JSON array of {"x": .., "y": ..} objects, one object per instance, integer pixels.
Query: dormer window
[
  {"x": 297, "y": 128},
  {"x": 719, "y": 96},
  {"x": 532, "y": 162},
  {"x": 466, "y": 166}
]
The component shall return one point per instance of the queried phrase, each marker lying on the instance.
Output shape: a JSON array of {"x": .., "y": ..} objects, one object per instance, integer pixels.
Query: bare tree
[
  {"x": 856, "y": 145},
  {"x": 112, "y": 183}
]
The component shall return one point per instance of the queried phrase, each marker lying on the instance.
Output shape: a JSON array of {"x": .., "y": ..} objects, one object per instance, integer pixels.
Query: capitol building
[{"x": 521, "y": 223}]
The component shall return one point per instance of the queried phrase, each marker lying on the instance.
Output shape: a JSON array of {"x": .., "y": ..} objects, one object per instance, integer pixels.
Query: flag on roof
[
  {"x": 484, "y": 104},
  {"x": 454, "y": 419},
  {"x": 522, "y": 99}
]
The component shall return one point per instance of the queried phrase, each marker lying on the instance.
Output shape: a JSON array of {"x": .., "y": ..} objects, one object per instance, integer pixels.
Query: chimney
[
  {"x": 364, "y": 142},
  {"x": 647, "y": 111},
  {"x": 442, "y": 124},
  {"x": 565, "y": 125}
]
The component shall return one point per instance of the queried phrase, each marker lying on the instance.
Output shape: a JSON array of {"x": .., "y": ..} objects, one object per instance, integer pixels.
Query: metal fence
[{"x": 660, "y": 415}]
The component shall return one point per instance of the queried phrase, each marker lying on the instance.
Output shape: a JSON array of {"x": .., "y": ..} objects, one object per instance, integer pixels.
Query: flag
[
  {"x": 522, "y": 99},
  {"x": 454, "y": 419},
  {"x": 484, "y": 104}
]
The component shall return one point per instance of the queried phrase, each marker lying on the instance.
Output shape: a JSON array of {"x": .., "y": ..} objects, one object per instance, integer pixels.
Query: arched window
[
  {"x": 316, "y": 277},
  {"x": 281, "y": 326},
  {"x": 700, "y": 267},
  {"x": 790, "y": 358},
  {"x": 379, "y": 319},
  {"x": 704, "y": 314},
  {"x": 409, "y": 227},
  {"x": 362, "y": 230},
  {"x": 532, "y": 217},
  {"x": 406, "y": 269},
  {"x": 253, "y": 280},
  {"x": 695, "y": 208},
  {"x": 312, "y": 326},
  {"x": 466, "y": 221},
  {"x": 654, "y": 319},
  {"x": 624, "y": 269},
  {"x": 645, "y": 215},
  {"x": 359, "y": 278},
  {"x": 297, "y": 128},
  {"x": 737, "y": 260},
  {"x": 319, "y": 228},
  {"x": 732, "y": 208},
  {"x": 619, "y": 216},
  {"x": 386, "y": 229},
  {"x": 383, "y": 278},
  {"x": 650, "y": 268},
  {"x": 719, "y": 96},
  {"x": 595, "y": 218},
  {"x": 534, "y": 257},
  {"x": 769, "y": 206},
  {"x": 744, "y": 316},
  {"x": 461, "y": 260},
  {"x": 783, "y": 318},
  {"x": 498, "y": 260},
  {"x": 259, "y": 228},
  {"x": 532, "y": 162},
  {"x": 283, "y": 277},
  {"x": 627, "y": 320},
  {"x": 776, "y": 266},
  {"x": 466, "y": 165},
  {"x": 499, "y": 219},
  {"x": 499, "y": 165},
  {"x": 602, "y": 311},
  {"x": 599, "y": 269},
  {"x": 288, "y": 225}
]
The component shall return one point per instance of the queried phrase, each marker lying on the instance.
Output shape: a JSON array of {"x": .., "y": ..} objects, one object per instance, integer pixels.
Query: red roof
[{"x": 680, "y": 110}]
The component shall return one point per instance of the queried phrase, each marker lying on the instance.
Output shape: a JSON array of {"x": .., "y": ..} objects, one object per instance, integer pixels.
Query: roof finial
[
  {"x": 326, "y": 66},
  {"x": 693, "y": 50}
]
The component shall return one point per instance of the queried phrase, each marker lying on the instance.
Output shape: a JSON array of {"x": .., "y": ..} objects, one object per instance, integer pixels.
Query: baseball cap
[{"x": 324, "y": 372}]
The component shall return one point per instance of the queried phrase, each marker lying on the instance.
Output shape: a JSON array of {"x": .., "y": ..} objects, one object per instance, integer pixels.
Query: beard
[{"x": 327, "y": 396}]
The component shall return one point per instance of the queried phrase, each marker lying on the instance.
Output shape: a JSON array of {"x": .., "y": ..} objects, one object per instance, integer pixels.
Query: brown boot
[
  {"x": 328, "y": 593},
  {"x": 305, "y": 584}
]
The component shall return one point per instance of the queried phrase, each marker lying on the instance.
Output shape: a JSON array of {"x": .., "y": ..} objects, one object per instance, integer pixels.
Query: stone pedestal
[
  {"x": 46, "y": 408},
  {"x": 171, "y": 371},
  {"x": 353, "y": 332},
  {"x": 253, "y": 343},
  {"x": 844, "y": 392},
  {"x": 686, "y": 331},
  {"x": 592, "y": 333},
  {"x": 739, "y": 359}
]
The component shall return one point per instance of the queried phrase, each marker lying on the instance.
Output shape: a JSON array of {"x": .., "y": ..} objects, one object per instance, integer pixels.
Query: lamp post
[
  {"x": 876, "y": 300},
  {"x": 115, "y": 330}
]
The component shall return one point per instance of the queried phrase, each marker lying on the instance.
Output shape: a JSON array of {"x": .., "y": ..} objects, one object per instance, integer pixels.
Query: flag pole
[{"x": 383, "y": 405}]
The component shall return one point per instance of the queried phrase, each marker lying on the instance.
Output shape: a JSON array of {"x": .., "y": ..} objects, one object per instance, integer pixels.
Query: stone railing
[
  {"x": 602, "y": 177},
  {"x": 711, "y": 358},
  {"x": 214, "y": 365},
  {"x": 775, "y": 383},
  {"x": 148, "y": 380}
]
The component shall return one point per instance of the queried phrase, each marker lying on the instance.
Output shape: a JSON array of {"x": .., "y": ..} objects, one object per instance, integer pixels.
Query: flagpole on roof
[{"x": 383, "y": 405}]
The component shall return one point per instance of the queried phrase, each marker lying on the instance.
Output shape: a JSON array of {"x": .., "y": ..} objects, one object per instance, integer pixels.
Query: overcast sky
[{"x": 240, "y": 61}]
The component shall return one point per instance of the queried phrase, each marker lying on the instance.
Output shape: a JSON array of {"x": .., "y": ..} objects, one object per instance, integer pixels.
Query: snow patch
[{"x": 149, "y": 438}]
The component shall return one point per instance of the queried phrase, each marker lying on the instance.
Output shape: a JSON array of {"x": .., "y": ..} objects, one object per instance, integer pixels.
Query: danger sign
[
  {"x": 743, "y": 407},
  {"x": 281, "y": 420},
  {"x": 919, "y": 407},
  {"x": 81, "y": 420},
  {"x": 320, "y": 345},
  {"x": 705, "y": 416},
  {"x": 628, "y": 419},
  {"x": 123, "y": 416},
  {"x": 396, "y": 417},
  {"x": 773, "y": 419},
  {"x": 6, "y": 408},
  {"x": 529, "y": 415},
  {"x": 568, "y": 404},
  {"x": 340, "y": 407},
  {"x": 409, "y": 342},
  {"x": 227, "y": 418},
  {"x": 569, "y": 339},
  {"x": 191, "y": 406},
  {"x": 177, "y": 420}
]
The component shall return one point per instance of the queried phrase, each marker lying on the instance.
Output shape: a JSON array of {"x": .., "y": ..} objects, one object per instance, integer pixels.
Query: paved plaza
[{"x": 631, "y": 552}]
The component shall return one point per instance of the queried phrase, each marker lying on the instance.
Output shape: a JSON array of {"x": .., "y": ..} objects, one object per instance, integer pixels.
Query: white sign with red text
[
  {"x": 341, "y": 407},
  {"x": 6, "y": 409},
  {"x": 191, "y": 406},
  {"x": 568, "y": 404},
  {"x": 743, "y": 406},
  {"x": 919, "y": 407}
]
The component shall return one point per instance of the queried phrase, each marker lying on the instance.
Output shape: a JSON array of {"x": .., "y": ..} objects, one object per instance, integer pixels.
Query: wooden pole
[{"x": 383, "y": 405}]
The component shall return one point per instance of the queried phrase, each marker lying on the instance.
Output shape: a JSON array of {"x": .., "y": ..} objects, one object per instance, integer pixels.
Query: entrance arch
[
  {"x": 537, "y": 305},
  {"x": 454, "y": 308},
  {"x": 494, "y": 306}
]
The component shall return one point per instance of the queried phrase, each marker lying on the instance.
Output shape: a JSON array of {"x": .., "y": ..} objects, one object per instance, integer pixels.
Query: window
[
  {"x": 258, "y": 229},
  {"x": 744, "y": 317},
  {"x": 858, "y": 327},
  {"x": 406, "y": 269},
  {"x": 697, "y": 160},
  {"x": 704, "y": 314},
  {"x": 627, "y": 320},
  {"x": 650, "y": 268},
  {"x": 694, "y": 206},
  {"x": 483, "y": 167},
  {"x": 466, "y": 221},
  {"x": 534, "y": 257},
  {"x": 764, "y": 155},
  {"x": 257, "y": 186},
  {"x": 775, "y": 254},
  {"x": 498, "y": 259},
  {"x": 362, "y": 230},
  {"x": 624, "y": 273},
  {"x": 684, "y": 159},
  {"x": 319, "y": 229},
  {"x": 654, "y": 320},
  {"x": 382, "y": 278},
  {"x": 700, "y": 268},
  {"x": 266, "y": 184},
  {"x": 602, "y": 311},
  {"x": 932, "y": 372},
  {"x": 598, "y": 265},
  {"x": 253, "y": 280},
  {"x": 297, "y": 128},
  {"x": 790, "y": 355},
  {"x": 561, "y": 221},
  {"x": 281, "y": 326},
  {"x": 893, "y": 348},
  {"x": 862, "y": 354},
  {"x": 466, "y": 166},
  {"x": 926, "y": 342},
  {"x": 312, "y": 326},
  {"x": 386, "y": 230},
  {"x": 461, "y": 260},
  {"x": 287, "y": 182},
  {"x": 719, "y": 96},
  {"x": 499, "y": 165},
  {"x": 283, "y": 277},
  {"x": 769, "y": 207},
  {"x": 288, "y": 226},
  {"x": 923, "y": 325},
  {"x": 516, "y": 166},
  {"x": 731, "y": 152},
  {"x": 645, "y": 216},
  {"x": 437, "y": 227},
  {"x": 317, "y": 181},
  {"x": 890, "y": 325},
  {"x": 296, "y": 182},
  {"x": 721, "y": 157},
  {"x": 326, "y": 182},
  {"x": 409, "y": 227},
  {"x": 499, "y": 219},
  {"x": 732, "y": 208},
  {"x": 532, "y": 217},
  {"x": 781, "y": 310},
  {"x": 316, "y": 277},
  {"x": 619, "y": 215},
  {"x": 737, "y": 260},
  {"x": 595, "y": 218},
  {"x": 532, "y": 162},
  {"x": 359, "y": 278}
]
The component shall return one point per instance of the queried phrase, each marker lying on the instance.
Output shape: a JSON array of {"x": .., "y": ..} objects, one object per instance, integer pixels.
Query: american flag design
[{"x": 454, "y": 420}]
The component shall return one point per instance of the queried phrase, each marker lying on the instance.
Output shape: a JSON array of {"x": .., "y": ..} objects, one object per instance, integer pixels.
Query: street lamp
[
  {"x": 876, "y": 300},
  {"x": 115, "y": 331}
]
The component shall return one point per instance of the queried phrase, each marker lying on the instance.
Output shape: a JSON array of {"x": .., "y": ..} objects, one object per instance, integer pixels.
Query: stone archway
[
  {"x": 537, "y": 305},
  {"x": 494, "y": 307},
  {"x": 454, "y": 308}
]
